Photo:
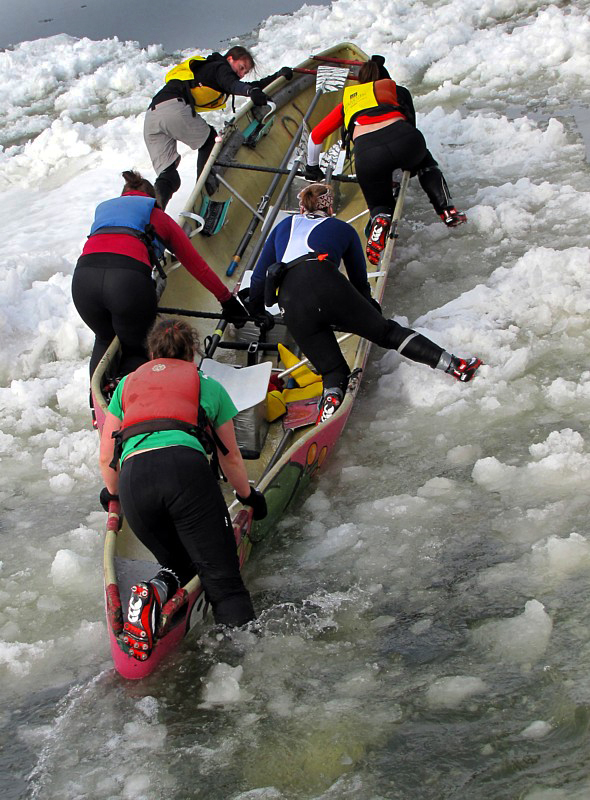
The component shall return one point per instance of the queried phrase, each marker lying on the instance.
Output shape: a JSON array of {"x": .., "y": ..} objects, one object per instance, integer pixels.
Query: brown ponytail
[
  {"x": 369, "y": 72},
  {"x": 134, "y": 182},
  {"x": 173, "y": 338}
]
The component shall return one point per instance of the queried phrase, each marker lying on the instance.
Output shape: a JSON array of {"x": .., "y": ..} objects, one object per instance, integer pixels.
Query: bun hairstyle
[
  {"x": 373, "y": 70},
  {"x": 316, "y": 197},
  {"x": 134, "y": 182},
  {"x": 173, "y": 338}
]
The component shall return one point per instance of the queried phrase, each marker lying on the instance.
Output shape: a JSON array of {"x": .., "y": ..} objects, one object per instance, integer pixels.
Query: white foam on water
[
  {"x": 451, "y": 692},
  {"x": 522, "y": 639},
  {"x": 459, "y": 497},
  {"x": 222, "y": 686},
  {"x": 536, "y": 730}
]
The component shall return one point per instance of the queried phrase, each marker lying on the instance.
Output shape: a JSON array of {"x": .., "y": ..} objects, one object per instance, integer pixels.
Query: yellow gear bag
[
  {"x": 275, "y": 405},
  {"x": 304, "y": 393}
]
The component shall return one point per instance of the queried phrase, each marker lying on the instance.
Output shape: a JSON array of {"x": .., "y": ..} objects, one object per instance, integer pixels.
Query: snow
[{"x": 449, "y": 536}]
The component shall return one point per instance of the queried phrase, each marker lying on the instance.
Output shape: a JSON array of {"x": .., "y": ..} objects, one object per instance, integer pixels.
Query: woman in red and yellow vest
[
  {"x": 169, "y": 495},
  {"x": 380, "y": 120}
]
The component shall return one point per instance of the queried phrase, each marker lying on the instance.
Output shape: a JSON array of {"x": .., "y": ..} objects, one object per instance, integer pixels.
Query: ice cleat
[
  {"x": 329, "y": 404},
  {"x": 142, "y": 618},
  {"x": 380, "y": 225},
  {"x": 451, "y": 217},
  {"x": 464, "y": 369}
]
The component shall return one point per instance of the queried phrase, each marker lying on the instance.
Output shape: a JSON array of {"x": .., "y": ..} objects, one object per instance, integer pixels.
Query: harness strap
[
  {"x": 277, "y": 271},
  {"x": 146, "y": 237},
  {"x": 208, "y": 438}
]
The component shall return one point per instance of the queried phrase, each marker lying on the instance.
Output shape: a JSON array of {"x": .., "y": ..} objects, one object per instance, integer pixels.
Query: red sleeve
[
  {"x": 328, "y": 125},
  {"x": 178, "y": 242}
]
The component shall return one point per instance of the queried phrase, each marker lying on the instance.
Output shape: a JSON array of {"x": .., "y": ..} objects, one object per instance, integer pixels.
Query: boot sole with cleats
[{"x": 142, "y": 618}]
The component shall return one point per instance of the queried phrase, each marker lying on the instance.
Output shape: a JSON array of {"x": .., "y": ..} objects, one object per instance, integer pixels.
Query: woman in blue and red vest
[
  {"x": 169, "y": 494},
  {"x": 380, "y": 120},
  {"x": 112, "y": 287}
]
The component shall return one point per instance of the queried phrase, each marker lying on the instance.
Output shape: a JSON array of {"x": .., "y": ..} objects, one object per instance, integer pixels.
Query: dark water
[{"x": 176, "y": 24}]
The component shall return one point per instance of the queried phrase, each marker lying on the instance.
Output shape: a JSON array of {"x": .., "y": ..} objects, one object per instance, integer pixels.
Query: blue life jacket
[{"x": 129, "y": 215}]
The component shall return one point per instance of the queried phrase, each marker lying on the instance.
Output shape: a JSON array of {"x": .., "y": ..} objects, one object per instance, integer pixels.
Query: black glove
[
  {"x": 234, "y": 311},
  {"x": 256, "y": 502},
  {"x": 258, "y": 97},
  {"x": 244, "y": 296},
  {"x": 106, "y": 497},
  {"x": 285, "y": 72},
  {"x": 314, "y": 173},
  {"x": 264, "y": 320}
]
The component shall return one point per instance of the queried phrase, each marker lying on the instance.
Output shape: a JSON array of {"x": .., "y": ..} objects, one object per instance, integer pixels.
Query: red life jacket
[
  {"x": 164, "y": 395},
  {"x": 164, "y": 389}
]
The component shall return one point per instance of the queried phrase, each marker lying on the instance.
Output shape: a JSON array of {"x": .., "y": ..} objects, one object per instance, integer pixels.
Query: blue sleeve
[
  {"x": 342, "y": 243},
  {"x": 266, "y": 258},
  {"x": 354, "y": 262},
  {"x": 273, "y": 251}
]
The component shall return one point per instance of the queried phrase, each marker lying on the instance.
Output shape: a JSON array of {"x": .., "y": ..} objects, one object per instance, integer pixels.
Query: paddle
[{"x": 328, "y": 79}]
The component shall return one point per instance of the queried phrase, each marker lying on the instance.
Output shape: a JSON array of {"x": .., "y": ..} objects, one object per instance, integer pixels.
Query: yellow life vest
[
  {"x": 206, "y": 99},
  {"x": 358, "y": 98}
]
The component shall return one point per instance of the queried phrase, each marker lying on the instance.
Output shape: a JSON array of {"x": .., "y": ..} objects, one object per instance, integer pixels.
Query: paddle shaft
[
  {"x": 278, "y": 170},
  {"x": 304, "y": 361},
  {"x": 265, "y": 199},
  {"x": 185, "y": 312}
]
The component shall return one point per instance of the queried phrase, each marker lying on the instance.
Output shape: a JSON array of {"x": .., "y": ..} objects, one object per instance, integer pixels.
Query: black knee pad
[
  {"x": 170, "y": 177},
  {"x": 433, "y": 182}
]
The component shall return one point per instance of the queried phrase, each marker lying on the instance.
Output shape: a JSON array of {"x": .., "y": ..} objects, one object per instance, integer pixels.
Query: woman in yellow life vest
[
  {"x": 379, "y": 118},
  {"x": 198, "y": 84}
]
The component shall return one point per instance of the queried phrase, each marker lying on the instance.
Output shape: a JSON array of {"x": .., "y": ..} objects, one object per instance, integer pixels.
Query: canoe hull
[{"x": 291, "y": 457}]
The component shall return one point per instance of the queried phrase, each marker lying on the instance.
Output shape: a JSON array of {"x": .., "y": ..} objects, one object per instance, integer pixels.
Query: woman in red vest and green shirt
[{"x": 168, "y": 492}]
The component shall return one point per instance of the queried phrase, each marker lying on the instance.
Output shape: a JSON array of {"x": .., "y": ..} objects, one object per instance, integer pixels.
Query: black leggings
[
  {"x": 115, "y": 296},
  {"x": 314, "y": 296},
  {"x": 397, "y": 146},
  {"x": 175, "y": 508}
]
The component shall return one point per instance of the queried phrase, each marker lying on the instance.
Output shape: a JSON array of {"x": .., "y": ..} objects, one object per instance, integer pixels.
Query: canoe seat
[{"x": 247, "y": 387}]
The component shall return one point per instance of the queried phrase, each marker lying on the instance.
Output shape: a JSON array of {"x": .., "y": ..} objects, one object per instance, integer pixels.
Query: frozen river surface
[{"x": 423, "y": 613}]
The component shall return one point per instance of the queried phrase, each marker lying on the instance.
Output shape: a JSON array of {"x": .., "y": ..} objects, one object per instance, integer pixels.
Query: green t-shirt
[{"x": 216, "y": 403}]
